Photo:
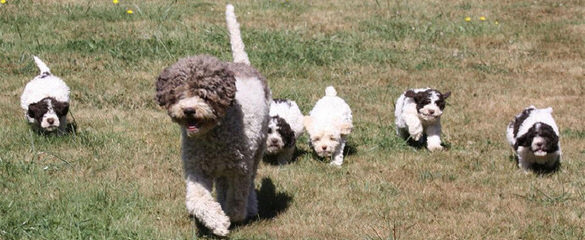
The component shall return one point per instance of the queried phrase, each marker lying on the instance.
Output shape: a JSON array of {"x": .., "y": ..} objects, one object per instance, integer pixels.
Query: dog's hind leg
[{"x": 201, "y": 204}]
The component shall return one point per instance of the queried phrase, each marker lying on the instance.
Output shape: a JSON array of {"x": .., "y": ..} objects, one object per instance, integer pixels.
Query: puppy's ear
[
  {"x": 410, "y": 94},
  {"x": 446, "y": 95},
  {"x": 548, "y": 109},
  {"x": 307, "y": 122},
  {"x": 31, "y": 110},
  {"x": 62, "y": 108},
  {"x": 345, "y": 128}
]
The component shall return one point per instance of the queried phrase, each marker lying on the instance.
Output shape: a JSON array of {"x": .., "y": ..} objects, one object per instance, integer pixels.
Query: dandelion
[
  {"x": 496, "y": 22},
  {"x": 3, "y": 1},
  {"x": 482, "y": 18},
  {"x": 468, "y": 19},
  {"x": 129, "y": 11},
  {"x": 115, "y": 1}
]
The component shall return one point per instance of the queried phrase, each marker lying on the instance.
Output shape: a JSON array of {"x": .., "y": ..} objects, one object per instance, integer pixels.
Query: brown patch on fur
[{"x": 204, "y": 76}]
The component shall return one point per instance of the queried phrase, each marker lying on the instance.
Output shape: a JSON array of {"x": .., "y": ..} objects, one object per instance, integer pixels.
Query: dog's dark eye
[{"x": 270, "y": 131}]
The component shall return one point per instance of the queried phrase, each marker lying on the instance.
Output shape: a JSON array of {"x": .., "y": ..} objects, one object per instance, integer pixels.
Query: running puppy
[
  {"x": 45, "y": 101},
  {"x": 534, "y": 136},
  {"x": 418, "y": 113}
]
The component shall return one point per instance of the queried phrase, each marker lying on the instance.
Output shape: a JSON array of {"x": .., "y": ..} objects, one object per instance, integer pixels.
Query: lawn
[{"x": 119, "y": 176}]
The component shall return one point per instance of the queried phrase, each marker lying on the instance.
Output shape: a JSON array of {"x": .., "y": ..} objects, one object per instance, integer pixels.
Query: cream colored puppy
[{"x": 328, "y": 125}]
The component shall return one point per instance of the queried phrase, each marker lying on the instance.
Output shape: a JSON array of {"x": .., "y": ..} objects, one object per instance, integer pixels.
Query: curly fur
[
  {"x": 222, "y": 109},
  {"x": 204, "y": 76}
]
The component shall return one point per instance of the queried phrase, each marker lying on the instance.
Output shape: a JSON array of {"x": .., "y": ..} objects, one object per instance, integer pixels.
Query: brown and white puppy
[
  {"x": 45, "y": 101},
  {"x": 418, "y": 112},
  {"x": 534, "y": 136}
]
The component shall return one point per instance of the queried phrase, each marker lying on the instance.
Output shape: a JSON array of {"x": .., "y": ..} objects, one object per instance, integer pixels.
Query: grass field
[{"x": 120, "y": 175}]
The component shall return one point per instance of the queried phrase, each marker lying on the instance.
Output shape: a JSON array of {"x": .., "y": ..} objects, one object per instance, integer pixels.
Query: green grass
[{"x": 120, "y": 177}]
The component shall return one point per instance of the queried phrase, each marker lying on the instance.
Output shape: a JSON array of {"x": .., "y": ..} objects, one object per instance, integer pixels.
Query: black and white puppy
[
  {"x": 285, "y": 126},
  {"x": 45, "y": 101},
  {"x": 534, "y": 135},
  {"x": 418, "y": 113}
]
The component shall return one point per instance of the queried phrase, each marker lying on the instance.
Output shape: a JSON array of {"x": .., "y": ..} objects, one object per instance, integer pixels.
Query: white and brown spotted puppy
[
  {"x": 284, "y": 128},
  {"x": 418, "y": 113},
  {"x": 45, "y": 101},
  {"x": 222, "y": 109},
  {"x": 534, "y": 135}
]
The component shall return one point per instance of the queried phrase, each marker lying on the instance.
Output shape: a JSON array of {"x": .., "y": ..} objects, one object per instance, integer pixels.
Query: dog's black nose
[
  {"x": 431, "y": 111},
  {"x": 189, "y": 110},
  {"x": 324, "y": 147},
  {"x": 539, "y": 144},
  {"x": 50, "y": 120},
  {"x": 274, "y": 141}
]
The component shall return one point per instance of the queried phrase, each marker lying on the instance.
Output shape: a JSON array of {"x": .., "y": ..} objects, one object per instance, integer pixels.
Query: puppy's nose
[
  {"x": 431, "y": 111},
  {"x": 274, "y": 141},
  {"x": 189, "y": 110},
  {"x": 324, "y": 148},
  {"x": 50, "y": 120},
  {"x": 539, "y": 144}
]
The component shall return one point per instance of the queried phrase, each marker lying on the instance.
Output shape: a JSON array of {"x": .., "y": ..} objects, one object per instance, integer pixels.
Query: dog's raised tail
[
  {"x": 330, "y": 91},
  {"x": 238, "y": 52},
  {"x": 42, "y": 66}
]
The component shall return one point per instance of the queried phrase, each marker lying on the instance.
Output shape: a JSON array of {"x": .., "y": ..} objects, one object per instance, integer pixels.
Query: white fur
[
  {"x": 409, "y": 123},
  {"x": 526, "y": 157},
  {"x": 42, "y": 86},
  {"x": 328, "y": 125},
  {"x": 238, "y": 52},
  {"x": 289, "y": 111}
]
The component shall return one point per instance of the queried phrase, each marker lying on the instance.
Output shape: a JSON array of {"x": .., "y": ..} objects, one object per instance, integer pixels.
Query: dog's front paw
[
  {"x": 416, "y": 135},
  {"x": 221, "y": 225},
  {"x": 434, "y": 148}
]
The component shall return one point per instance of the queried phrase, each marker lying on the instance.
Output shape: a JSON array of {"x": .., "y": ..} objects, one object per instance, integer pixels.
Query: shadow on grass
[
  {"x": 271, "y": 159},
  {"x": 541, "y": 170},
  {"x": 270, "y": 204},
  {"x": 422, "y": 143}
]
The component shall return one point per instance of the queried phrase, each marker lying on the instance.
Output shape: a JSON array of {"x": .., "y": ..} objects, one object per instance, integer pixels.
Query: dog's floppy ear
[
  {"x": 32, "y": 108},
  {"x": 446, "y": 95},
  {"x": 548, "y": 110},
  {"x": 410, "y": 94},
  {"x": 345, "y": 128},
  {"x": 61, "y": 108},
  {"x": 307, "y": 122}
]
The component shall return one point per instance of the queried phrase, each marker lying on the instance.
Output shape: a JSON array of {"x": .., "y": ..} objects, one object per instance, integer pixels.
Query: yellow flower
[
  {"x": 115, "y": 1},
  {"x": 2, "y": 1},
  {"x": 482, "y": 18},
  {"x": 467, "y": 19},
  {"x": 129, "y": 11},
  {"x": 496, "y": 22}
]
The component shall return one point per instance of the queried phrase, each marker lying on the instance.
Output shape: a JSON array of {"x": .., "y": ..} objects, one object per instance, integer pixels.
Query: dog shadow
[
  {"x": 270, "y": 204},
  {"x": 70, "y": 129},
  {"x": 273, "y": 161},
  {"x": 538, "y": 169},
  {"x": 422, "y": 143}
]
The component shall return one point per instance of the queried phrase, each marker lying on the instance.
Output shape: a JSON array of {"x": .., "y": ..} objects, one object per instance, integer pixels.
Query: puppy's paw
[
  {"x": 416, "y": 135},
  {"x": 434, "y": 148}
]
